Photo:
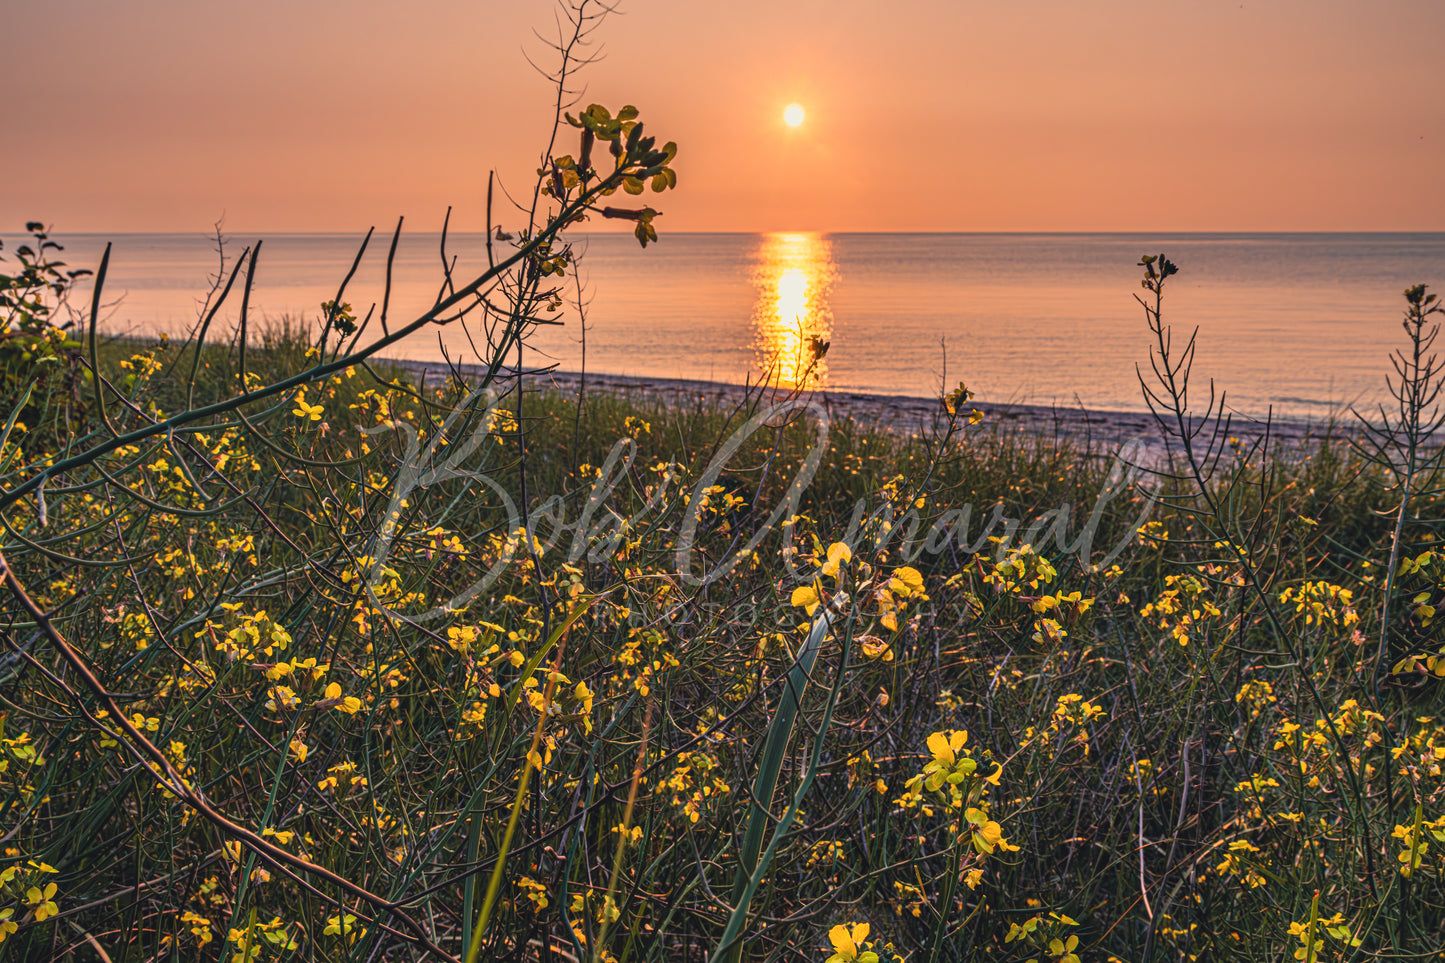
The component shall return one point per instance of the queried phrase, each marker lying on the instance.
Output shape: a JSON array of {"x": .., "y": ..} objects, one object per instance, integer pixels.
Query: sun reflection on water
[{"x": 793, "y": 319}]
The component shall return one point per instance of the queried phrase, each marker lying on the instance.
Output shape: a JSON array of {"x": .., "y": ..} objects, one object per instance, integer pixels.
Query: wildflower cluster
[
  {"x": 30, "y": 892},
  {"x": 953, "y": 782}
]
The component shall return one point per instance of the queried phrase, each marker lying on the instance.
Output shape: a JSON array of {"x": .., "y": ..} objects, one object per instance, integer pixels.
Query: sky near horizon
[{"x": 1107, "y": 115}]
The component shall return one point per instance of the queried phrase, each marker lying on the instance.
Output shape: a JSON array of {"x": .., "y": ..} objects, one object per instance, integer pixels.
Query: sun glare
[
  {"x": 793, "y": 115},
  {"x": 793, "y": 318}
]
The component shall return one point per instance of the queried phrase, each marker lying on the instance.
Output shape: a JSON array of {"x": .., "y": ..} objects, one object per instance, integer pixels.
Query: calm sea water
[{"x": 1302, "y": 322}]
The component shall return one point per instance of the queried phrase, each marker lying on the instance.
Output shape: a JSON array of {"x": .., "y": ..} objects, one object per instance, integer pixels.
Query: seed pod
[{"x": 584, "y": 156}]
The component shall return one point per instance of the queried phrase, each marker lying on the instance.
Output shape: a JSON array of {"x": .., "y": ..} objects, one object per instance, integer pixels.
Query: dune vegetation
[{"x": 304, "y": 659}]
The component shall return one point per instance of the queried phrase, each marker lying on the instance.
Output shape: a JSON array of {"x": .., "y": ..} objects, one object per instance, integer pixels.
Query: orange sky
[{"x": 964, "y": 115}]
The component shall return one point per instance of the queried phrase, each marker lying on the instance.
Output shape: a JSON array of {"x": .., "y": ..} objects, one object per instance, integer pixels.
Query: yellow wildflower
[
  {"x": 847, "y": 942},
  {"x": 306, "y": 411}
]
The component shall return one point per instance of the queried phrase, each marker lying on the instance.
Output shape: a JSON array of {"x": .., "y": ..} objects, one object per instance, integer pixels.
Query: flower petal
[
  {"x": 938, "y": 745},
  {"x": 906, "y": 581},
  {"x": 843, "y": 942}
]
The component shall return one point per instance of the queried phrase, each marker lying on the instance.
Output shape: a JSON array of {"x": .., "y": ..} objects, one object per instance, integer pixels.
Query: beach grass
[{"x": 1197, "y": 750}]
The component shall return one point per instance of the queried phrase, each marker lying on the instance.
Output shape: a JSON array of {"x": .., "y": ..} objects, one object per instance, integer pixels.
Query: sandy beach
[{"x": 1102, "y": 431}]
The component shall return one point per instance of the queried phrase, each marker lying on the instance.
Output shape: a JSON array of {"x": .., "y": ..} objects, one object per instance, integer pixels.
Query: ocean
[{"x": 1299, "y": 323}]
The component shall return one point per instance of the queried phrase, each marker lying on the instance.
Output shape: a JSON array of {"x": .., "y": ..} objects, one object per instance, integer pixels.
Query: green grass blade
[{"x": 769, "y": 766}]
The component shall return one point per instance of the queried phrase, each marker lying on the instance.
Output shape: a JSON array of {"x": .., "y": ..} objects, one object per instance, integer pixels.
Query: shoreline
[
  {"x": 1092, "y": 428},
  {"x": 909, "y": 413}
]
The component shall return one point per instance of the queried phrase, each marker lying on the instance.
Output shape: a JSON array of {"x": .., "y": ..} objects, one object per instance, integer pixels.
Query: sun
[{"x": 793, "y": 115}]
